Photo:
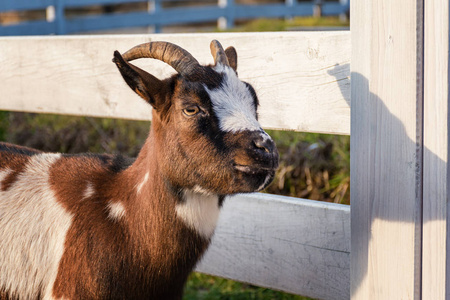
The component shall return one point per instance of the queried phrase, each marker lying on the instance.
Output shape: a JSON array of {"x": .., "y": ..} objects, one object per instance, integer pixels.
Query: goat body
[{"x": 106, "y": 227}]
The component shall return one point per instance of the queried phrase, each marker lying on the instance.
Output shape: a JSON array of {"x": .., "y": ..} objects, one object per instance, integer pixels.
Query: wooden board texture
[
  {"x": 435, "y": 262},
  {"x": 302, "y": 79},
  {"x": 386, "y": 158},
  {"x": 295, "y": 245}
]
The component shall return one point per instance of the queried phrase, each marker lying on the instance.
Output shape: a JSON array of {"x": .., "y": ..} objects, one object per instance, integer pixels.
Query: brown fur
[
  {"x": 149, "y": 251},
  {"x": 5, "y": 296},
  {"x": 13, "y": 158},
  {"x": 138, "y": 255},
  {"x": 133, "y": 258}
]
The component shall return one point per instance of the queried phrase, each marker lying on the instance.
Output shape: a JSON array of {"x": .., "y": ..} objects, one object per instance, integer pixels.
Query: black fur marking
[
  {"x": 221, "y": 200},
  {"x": 114, "y": 163},
  {"x": 209, "y": 77},
  {"x": 14, "y": 149},
  {"x": 177, "y": 192},
  {"x": 209, "y": 125},
  {"x": 253, "y": 93}
]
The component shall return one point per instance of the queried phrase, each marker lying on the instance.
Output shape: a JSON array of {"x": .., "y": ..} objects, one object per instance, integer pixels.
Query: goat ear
[
  {"x": 144, "y": 84},
  {"x": 232, "y": 57}
]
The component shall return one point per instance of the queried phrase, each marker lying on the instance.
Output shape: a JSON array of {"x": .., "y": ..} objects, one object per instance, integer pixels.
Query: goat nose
[{"x": 264, "y": 143}]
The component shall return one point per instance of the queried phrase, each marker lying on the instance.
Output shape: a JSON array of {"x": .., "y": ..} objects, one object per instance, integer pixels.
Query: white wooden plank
[
  {"x": 360, "y": 92},
  {"x": 385, "y": 149},
  {"x": 302, "y": 78},
  {"x": 295, "y": 245},
  {"x": 435, "y": 264}
]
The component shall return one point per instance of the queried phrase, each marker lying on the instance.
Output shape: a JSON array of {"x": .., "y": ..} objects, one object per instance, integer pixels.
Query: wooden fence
[
  {"x": 399, "y": 143},
  {"x": 157, "y": 15},
  {"x": 295, "y": 245}
]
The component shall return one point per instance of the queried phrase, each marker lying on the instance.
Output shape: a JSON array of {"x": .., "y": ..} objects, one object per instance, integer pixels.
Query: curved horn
[
  {"x": 218, "y": 53},
  {"x": 178, "y": 58}
]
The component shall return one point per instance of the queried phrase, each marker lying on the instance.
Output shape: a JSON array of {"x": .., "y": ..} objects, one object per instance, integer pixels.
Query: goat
[{"x": 93, "y": 226}]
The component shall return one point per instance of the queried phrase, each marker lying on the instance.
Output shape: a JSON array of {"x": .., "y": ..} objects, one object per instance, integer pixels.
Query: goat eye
[{"x": 191, "y": 111}]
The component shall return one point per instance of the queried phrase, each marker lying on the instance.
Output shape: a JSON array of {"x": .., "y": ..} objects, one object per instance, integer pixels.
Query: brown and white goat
[{"x": 104, "y": 227}]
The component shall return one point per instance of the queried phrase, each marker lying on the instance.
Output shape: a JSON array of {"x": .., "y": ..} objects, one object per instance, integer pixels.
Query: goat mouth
[
  {"x": 253, "y": 178},
  {"x": 251, "y": 169}
]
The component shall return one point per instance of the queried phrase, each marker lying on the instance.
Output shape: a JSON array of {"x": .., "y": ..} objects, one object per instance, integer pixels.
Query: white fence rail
[
  {"x": 295, "y": 245},
  {"x": 302, "y": 79}
]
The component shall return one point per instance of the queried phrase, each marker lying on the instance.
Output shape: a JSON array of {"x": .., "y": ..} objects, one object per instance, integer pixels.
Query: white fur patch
[
  {"x": 89, "y": 191},
  {"x": 200, "y": 190},
  {"x": 233, "y": 103},
  {"x": 116, "y": 211},
  {"x": 33, "y": 228},
  {"x": 199, "y": 211},
  {"x": 264, "y": 184},
  {"x": 144, "y": 181}
]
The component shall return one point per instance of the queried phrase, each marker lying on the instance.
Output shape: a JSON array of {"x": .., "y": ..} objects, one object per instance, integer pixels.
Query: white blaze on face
[
  {"x": 233, "y": 103},
  {"x": 33, "y": 228}
]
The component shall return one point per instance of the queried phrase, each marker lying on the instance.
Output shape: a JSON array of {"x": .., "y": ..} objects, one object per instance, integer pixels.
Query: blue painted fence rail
[{"x": 158, "y": 16}]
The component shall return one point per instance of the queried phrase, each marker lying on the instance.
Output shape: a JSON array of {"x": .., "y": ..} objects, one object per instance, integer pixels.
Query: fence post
[
  {"x": 50, "y": 13},
  {"x": 226, "y": 22},
  {"x": 154, "y": 7},
  {"x": 290, "y": 4},
  {"x": 50, "y": 16},
  {"x": 317, "y": 10},
  {"x": 60, "y": 18},
  {"x": 436, "y": 171},
  {"x": 346, "y": 6},
  {"x": 386, "y": 149}
]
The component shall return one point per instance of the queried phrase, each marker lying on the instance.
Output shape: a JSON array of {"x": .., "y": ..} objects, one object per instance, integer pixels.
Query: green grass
[
  {"x": 206, "y": 287},
  {"x": 260, "y": 25},
  {"x": 313, "y": 166}
]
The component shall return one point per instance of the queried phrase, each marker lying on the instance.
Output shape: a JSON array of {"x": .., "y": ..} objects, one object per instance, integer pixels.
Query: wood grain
[
  {"x": 386, "y": 149},
  {"x": 302, "y": 79},
  {"x": 295, "y": 245},
  {"x": 360, "y": 93},
  {"x": 435, "y": 264}
]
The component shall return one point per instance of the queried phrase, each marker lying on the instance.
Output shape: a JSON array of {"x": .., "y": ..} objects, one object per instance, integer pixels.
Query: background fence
[{"x": 157, "y": 13}]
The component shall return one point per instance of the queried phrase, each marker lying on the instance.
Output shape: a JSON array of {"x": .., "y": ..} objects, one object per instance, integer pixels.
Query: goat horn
[
  {"x": 218, "y": 53},
  {"x": 178, "y": 58}
]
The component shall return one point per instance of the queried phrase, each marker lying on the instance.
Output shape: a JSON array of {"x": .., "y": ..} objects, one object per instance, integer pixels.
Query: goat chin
[{"x": 93, "y": 226}]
